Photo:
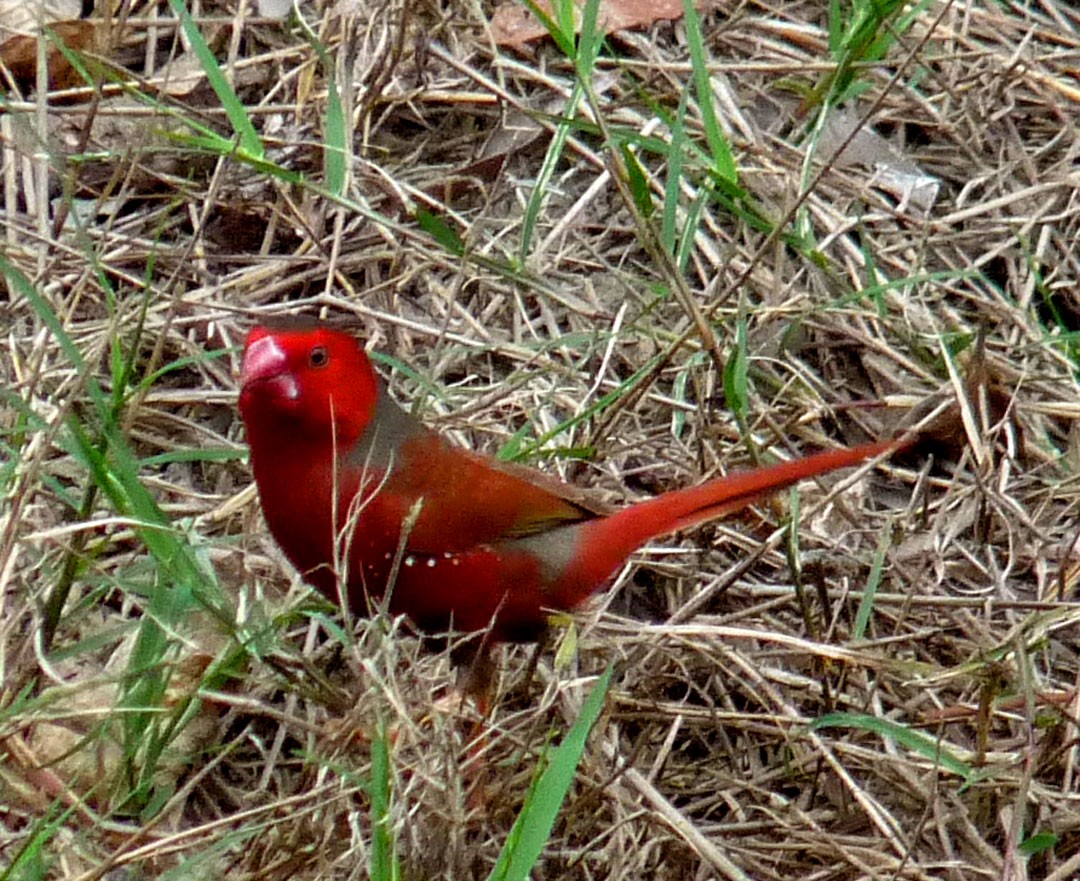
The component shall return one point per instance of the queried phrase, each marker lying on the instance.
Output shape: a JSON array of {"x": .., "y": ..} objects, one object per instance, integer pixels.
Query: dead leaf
[
  {"x": 19, "y": 54},
  {"x": 27, "y": 16},
  {"x": 513, "y": 26},
  {"x": 894, "y": 173}
]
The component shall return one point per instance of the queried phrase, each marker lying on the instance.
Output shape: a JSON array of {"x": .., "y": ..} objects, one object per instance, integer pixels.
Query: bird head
[{"x": 313, "y": 378}]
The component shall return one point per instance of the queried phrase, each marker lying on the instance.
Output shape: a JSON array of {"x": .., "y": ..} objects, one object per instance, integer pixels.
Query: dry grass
[{"x": 728, "y": 642}]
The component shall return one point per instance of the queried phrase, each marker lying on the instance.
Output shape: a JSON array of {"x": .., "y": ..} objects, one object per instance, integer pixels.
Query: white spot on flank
[
  {"x": 431, "y": 563},
  {"x": 457, "y": 562},
  {"x": 410, "y": 560},
  {"x": 387, "y": 556}
]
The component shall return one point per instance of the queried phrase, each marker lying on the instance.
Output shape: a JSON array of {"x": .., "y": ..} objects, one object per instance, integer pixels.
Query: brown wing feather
[{"x": 469, "y": 499}]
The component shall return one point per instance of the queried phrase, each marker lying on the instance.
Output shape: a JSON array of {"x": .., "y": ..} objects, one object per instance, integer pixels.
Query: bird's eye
[{"x": 319, "y": 357}]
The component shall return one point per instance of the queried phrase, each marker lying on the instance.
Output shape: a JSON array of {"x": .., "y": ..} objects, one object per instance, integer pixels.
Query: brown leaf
[
  {"x": 513, "y": 26},
  {"x": 19, "y": 54}
]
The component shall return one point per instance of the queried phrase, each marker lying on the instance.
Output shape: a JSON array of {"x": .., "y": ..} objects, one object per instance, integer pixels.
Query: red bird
[{"x": 350, "y": 483}]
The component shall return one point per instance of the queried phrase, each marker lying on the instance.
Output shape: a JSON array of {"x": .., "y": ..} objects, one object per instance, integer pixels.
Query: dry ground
[{"x": 873, "y": 308}]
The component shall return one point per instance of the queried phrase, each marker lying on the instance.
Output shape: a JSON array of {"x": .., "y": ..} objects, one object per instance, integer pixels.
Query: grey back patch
[
  {"x": 554, "y": 548},
  {"x": 389, "y": 429}
]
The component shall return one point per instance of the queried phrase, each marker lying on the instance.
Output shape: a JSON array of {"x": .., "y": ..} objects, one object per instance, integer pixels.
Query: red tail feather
[{"x": 606, "y": 542}]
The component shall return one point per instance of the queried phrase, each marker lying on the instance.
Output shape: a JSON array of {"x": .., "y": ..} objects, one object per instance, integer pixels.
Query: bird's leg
[
  {"x": 543, "y": 642},
  {"x": 476, "y": 672},
  {"x": 475, "y": 683}
]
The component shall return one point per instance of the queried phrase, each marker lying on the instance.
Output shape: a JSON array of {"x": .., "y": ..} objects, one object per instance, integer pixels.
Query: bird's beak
[{"x": 265, "y": 361}]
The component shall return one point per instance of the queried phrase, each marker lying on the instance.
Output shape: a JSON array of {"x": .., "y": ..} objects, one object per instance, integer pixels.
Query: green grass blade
[
  {"x": 589, "y": 41},
  {"x": 250, "y": 142},
  {"x": 873, "y": 581},
  {"x": 441, "y": 231},
  {"x": 517, "y": 448},
  {"x": 384, "y": 866},
  {"x": 532, "y": 829},
  {"x": 564, "y": 15},
  {"x": 836, "y": 25},
  {"x": 639, "y": 182},
  {"x": 720, "y": 149},
  {"x": 675, "y": 155},
  {"x": 693, "y": 218},
  {"x": 562, "y": 30},
  {"x": 736, "y": 378},
  {"x": 1037, "y": 844},
  {"x": 336, "y": 149},
  {"x": 36, "y": 856},
  {"x": 547, "y": 170},
  {"x": 928, "y": 747},
  {"x": 679, "y": 391},
  {"x": 44, "y": 311},
  {"x": 583, "y": 52}
]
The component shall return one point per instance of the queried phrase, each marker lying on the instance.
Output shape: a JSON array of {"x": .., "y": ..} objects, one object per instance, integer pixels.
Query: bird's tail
[{"x": 606, "y": 542}]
